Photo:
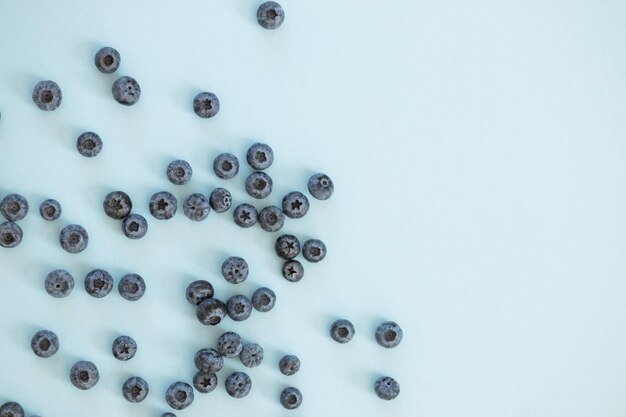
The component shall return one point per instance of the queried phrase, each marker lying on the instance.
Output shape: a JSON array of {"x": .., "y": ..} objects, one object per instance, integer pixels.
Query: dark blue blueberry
[
  {"x": 235, "y": 270},
  {"x": 206, "y": 105},
  {"x": 204, "y": 382},
  {"x": 198, "y": 291},
  {"x": 238, "y": 384},
  {"x": 84, "y": 375},
  {"x": 134, "y": 226},
  {"x": 11, "y": 409},
  {"x": 293, "y": 271},
  {"x": 89, "y": 144},
  {"x": 10, "y": 234},
  {"x": 289, "y": 365},
  {"x": 168, "y": 415},
  {"x": 44, "y": 344},
  {"x": 59, "y": 283},
  {"x": 226, "y": 166},
  {"x": 259, "y": 185},
  {"x": 342, "y": 331},
  {"x": 386, "y": 388},
  {"x": 208, "y": 360},
  {"x": 314, "y": 250},
  {"x": 270, "y": 15},
  {"x": 163, "y": 205},
  {"x": 98, "y": 283},
  {"x": 132, "y": 287},
  {"x": 124, "y": 348},
  {"x": 211, "y": 312},
  {"x": 126, "y": 91},
  {"x": 251, "y": 355},
  {"x": 239, "y": 307},
  {"x": 179, "y": 172},
  {"x": 50, "y": 209},
  {"x": 117, "y": 205},
  {"x": 196, "y": 207},
  {"x": 291, "y": 398},
  {"x": 229, "y": 344},
  {"x": 263, "y": 299},
  {"x": 107, "y": 60},
  {"x": 295, "y": 204},
  {"x": 47, "y": 95},
  {"x": 135, "y": 389},
  {"x": 321, "y": 186},
  {"x": 220, "y": 200},
  {"x": 388, "y": 334},
  {"x": 260, "y": 156},
  {"x": 271, "y": 219},
  {"x": 245, "y": 215},
  {"x": 74, "y": 238},
  {"x": 287, "y": 247},
  {"x": 14, "y": 207},
  {"x": 179, "y": 395}
]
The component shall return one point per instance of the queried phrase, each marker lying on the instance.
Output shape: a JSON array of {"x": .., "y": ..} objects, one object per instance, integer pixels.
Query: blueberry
[
  {"x": 321, "y": 186},
  {"x": 134, "y": 226},
  {"x": 211, "y": 312},
  {"x": 107, "y": 60},
  {"x": 235, "y": 270},
  {"x": 126, "y": 91},
  {"x": 132, "y": 287},
  {"x": 135, "y": 389},
  {"x": 117, "y": 205},
  {"x": 124, "y": 348},
  {"x": 287, "y": 247},
  {"x": 196, "y": 207},
  {"x": 270, "y": 15},
  {"x": 229, "y": 344},
  {"x": 98, "y": 283},
  {"x": 220, "y": 200},
  {"x": 168, "y": 415},
  {"x": 239, "y": 307},
  {"x": 198, "y": 291},
  {"x": 259, "y": 185},
  {"x": 226, "y": 166},
  {"x": 260, "y": 156},
  {"x": 14, "y": 207},
  {"x": 84, "y": 375},
  {"x": 47, "y": 95},
  {"x": 263, "y": 299},
  {"x": 295, "y": 204},
  {"x": 11, "y": 409},
  {"x": 291, "y": 398},
  {"x": 289, "y": 365},
  {"x": 208, "y": 360},
  {"x": 245, "y": 215},
  {"x": 179, "y": 172},
  {"x": 342, "y": 331},
  {"x": 388, "y": 334},
  {"x": 293, "y": 271},
  {"x": 314, "y": 250},
  {"x": 163, "y": 205},
  {"x": 10, "y": 234},
  {"x": 251, "y": 355},
  {"x": 271, "y": 219},
  {"x": 179, "y": 395},
  {"x": 206, "y": 105},
  {"x": 44, "y": 344},
  {"x": 50, "y": 209},
  {"x": 89, "y": 144},
  {"x": 74, "y": 238},
  {"x": 386, "y": 388},
  {"x": 204, "y": 382},
  {"x": 59, "y": 283},
  {"x": 238, "y": 384}
]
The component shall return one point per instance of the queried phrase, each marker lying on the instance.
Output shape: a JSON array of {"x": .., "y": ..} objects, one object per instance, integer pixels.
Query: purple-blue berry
[
  {"x": 206, "y": 105},
  {"x": 10, "y": 235},
  {"x": 126, "y": 90},
  {"x": 226, "y": 166},
  {"x": 107, "y": 60},
  {"x": 235, "y": 269},
  {"x": 196, "y": 207},
  {"x": 386, "y": 388},
  {"x": 132, "y": 287},
  {"x": 229, "y": 344},
  {"x": 388, "y": 334},
  {"x": 204, "y": 382},
  {"x": 135, "y": 389},
  {"x": 245, "y": 215},
  {"x": 179, "y": 172},
  {"x": 208, "y": 360},
  {"x": 124, "y": 348},
  {"x": 84, "y": 375},
  {"x": 117, "y": 205},
  {"x": 270, "y": 15},
  {"x": 239, "y": 307},
  {"x": 287, "y": 247},
  {"x": 342, "y": 331},
  {"x": 134, "y": 226},
  {"x": 293, "y": 270},
  {"x": 179, "y": 395},
  {"x": 11, "y": 409},
  {"x": 260, "y": 156},
  {"x": 89, "y": 144},
  {"x": 259, "y": 185},
  {"x": 74, "y": 238},
  {"x": 289, "y": 365},
  {"x": 47, "y": 95},
  {"x": 291, "y": 398},
  {"x": 44, "y": 344},
  {"x": 98, "y": 283},
  {"x": 220, "y": 200},
  {"x": 238, "y": 384},
  {"x": 251, "y": 355},
  {"x": 314, "y": 250},
  {"x": 263, "y": 299},
  {"x": 295, "y": 205},
  {"x": 50, "y": 209},
  {"x": 14, "y": 207},
  {"x": 163, "y": 205},
  {"x": 271, "y": 219},
  {"x": 59, "y": 283},
  {"x": 198, "y": 291},
  {"x": 211, "y": 312},
  {"x": 321, "y": 186}
]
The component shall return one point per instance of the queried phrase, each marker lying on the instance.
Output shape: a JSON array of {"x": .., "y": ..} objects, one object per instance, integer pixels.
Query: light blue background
[{"x": 478, "y": 151}]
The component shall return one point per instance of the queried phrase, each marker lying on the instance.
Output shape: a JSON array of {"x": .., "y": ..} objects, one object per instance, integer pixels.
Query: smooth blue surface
[{"x": 478, "y": 153}]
